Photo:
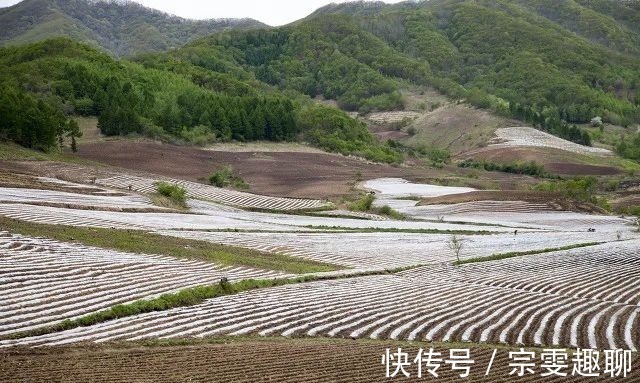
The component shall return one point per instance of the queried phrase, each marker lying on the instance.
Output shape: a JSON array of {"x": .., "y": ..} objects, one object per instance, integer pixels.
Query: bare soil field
[
  {"x": 251, "y": 360},
  {"x": 263, "y": 146},
  {"x": 15, "y": 180},
  {"x": 494, "y": 195},
  {"x": 554, "y": 160},
  {"x": 528, "y": 274},
  {"x": 291, "y": 174}
]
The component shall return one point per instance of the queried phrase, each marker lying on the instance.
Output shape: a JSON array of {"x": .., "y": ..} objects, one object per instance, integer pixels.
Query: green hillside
[
  {"x": 555, "y": 65},
  {"x": 119, "y": 27},
  {"x": 161, "y": 97}
]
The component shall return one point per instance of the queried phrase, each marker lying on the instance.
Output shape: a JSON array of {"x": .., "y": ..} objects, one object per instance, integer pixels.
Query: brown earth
[
  {"x": 11, "y": 179},
  {"x": 293, "y": 174},
  {"x": 554, "y": 160},
  {"x": 384, "y": 132},
  {"x": 253, "y": 360},
  {"x": 581, "y": 169},
  {"x": 267, "y": 171}
]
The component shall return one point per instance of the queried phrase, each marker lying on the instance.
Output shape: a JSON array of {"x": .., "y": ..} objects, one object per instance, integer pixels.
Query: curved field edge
[
  {"x": 344, "y": 229},
  {"x": 141, "y": 242},
  {"x": 513, "y": 254},
  {"x": 250, "y": 359},
  {"x": 190, "y": 297}
]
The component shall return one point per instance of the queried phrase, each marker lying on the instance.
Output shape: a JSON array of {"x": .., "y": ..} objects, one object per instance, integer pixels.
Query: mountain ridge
[
  {"x": 122, "y": 28},
  {"x": 512, "y": 57}
]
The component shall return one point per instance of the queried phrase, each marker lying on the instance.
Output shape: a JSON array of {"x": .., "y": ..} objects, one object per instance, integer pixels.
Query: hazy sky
[{"x": 272, "y": 12}]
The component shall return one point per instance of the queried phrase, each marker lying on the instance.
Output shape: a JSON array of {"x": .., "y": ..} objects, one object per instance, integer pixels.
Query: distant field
[
  {"x": 260, "y": 147},
  {"x": 392, "y": 117},
  {"x": 555, "y": 160},
  {"x": 525, "y": 136},
  {"x": 456, "y": 127},
  {"x": 276, "y": 172}
]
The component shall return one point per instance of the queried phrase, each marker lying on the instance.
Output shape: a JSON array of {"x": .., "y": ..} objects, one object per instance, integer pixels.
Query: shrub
[
  {"x": 435, "y": 155},
  {"x": 84, "y": 106},
  {"x": 529, "y": 168},
  {"x": 390, "y": 212},
  {"x": 579, "y": 188},
  {"x": 199, "y": 135},
  {"x": 612, "y": 185},
  {"x": 456, "y": 245},
  {"x": 175, "y": 193},
  {"x": 335, "y": 131},
  {"x": 398, "y": 125},
  {"x": 225, "y": 177},
  {"x": 363, "y": 204},
  {"x": 596, "y": 122}
]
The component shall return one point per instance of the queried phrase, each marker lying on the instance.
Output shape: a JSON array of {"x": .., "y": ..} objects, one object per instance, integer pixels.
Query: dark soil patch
[
  {"x": 266, "y": 360},
  {"x": 581, "y": 169},
  {"x": 554, "y": 160},
  {"x": 293, "y": 174}
]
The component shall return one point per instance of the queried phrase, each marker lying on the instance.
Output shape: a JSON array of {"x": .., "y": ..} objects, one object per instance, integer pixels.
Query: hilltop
[{"x": 122, "y": 28}]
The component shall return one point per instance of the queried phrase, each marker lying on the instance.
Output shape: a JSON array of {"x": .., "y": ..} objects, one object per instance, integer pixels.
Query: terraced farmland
[
  {"x": 45, "y": 281},
  {"x": 401, "y": 195},
  {"x": 594, "y": 305},
  {"x": 376, "y": 250},
  {"x": 212, "y": 193},
  {"x": 584, "y": 297},
  {"x": 399, "y": 188},
  {"x": 525, "y": 136},
  {"x": 211, "y": 217},
  {"x": 69, "y": 217},
  {"x": 487, "y": 206},
  {"x": 74, "y": 200}
]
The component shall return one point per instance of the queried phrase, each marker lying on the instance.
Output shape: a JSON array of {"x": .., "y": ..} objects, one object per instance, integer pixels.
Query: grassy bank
[
  {"x": 141, "y": 242},
  {"x": 513, "y": 254},
  {"x": 188, "y": 297},
  {"x": 397, "y": 230}
]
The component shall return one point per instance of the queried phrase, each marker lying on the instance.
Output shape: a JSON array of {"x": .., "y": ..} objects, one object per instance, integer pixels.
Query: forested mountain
[
  {"x": 164, "y": 97},
  {"x": 550, "y": 63},
  {"x": 578, "y": 58},
  {"x": 120, "y": 27}
]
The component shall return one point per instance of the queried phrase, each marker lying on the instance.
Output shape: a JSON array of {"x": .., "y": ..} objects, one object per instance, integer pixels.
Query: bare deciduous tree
[{"x": 455, "y": 244}]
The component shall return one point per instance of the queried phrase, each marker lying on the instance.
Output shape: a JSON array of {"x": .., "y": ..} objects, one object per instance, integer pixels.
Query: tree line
[{"x": 162, "y": 97}]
